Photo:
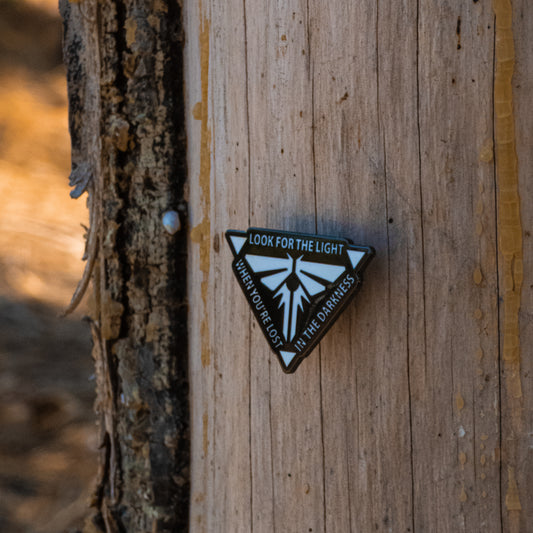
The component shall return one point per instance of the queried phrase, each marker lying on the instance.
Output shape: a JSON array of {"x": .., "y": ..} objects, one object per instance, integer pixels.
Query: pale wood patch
[{"x": 373, "y": 121}]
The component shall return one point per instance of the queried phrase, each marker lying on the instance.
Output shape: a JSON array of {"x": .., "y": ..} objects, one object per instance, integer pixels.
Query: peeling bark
[{"x": 124, "y": 61}]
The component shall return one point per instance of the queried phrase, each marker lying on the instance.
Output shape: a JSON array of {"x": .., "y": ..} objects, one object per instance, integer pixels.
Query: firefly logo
[
  {"x": 296, "y": 285},
  {"x": 293, "y": 282}
]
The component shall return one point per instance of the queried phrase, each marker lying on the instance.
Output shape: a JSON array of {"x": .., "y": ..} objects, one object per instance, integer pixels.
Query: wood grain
[
  {"x": 375, "y": 122},
  {"x": 365, "y": 359},
  {"x": 458, "y": 427}
]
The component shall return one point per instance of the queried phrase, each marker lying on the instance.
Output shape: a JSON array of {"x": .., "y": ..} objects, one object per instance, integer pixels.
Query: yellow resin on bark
[
  {"x": 201, "y": 233},
  {"x": 509, "y": 223}
]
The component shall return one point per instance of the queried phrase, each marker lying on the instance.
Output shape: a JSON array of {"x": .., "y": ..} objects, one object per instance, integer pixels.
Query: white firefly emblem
[{"x": 293, "y": 281}]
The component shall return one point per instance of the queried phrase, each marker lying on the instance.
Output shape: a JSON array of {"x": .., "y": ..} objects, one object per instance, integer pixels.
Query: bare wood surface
[
  {"x": 365, "y": 360},
  {"x": 377, "y": 122},
  {"x": 456, "y": 425}
]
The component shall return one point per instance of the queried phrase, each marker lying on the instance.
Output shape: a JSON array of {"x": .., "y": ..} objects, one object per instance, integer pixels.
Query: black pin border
[{"x": 348, "y": 297}]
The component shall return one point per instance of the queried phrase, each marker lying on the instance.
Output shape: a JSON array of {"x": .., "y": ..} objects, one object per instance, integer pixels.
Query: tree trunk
[
  {"x": 124, "y": 61},
  {"x": 404, "y": 126}
]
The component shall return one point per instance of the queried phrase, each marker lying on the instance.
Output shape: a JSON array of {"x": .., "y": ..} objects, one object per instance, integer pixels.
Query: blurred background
[{"x": 48, "y": 434}]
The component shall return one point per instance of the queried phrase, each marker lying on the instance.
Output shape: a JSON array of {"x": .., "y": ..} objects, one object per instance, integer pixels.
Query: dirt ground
[{"x": 48, "y": 433}]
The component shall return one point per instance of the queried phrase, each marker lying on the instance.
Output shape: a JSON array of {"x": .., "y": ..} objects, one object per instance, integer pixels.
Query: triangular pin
[{"x": 296, "y": 284}]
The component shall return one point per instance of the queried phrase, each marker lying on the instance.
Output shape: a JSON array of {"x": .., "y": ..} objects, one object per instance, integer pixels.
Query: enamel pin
[{"x": 296, "y": 284}]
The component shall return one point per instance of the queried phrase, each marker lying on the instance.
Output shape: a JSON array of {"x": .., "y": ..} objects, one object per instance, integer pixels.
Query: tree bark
[{"x": 125, "y": 84}]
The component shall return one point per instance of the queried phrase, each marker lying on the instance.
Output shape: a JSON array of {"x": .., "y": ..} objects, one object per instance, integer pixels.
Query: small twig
[
  {"x": 109, "y": 411},
  {"x": 110, "y": 524},
  {"x": 103, "y": 474},
  {"x": 91, "y": 253}
]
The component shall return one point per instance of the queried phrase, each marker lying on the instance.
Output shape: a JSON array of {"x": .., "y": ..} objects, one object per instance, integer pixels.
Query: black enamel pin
[{"x": 296, "y": 284}]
